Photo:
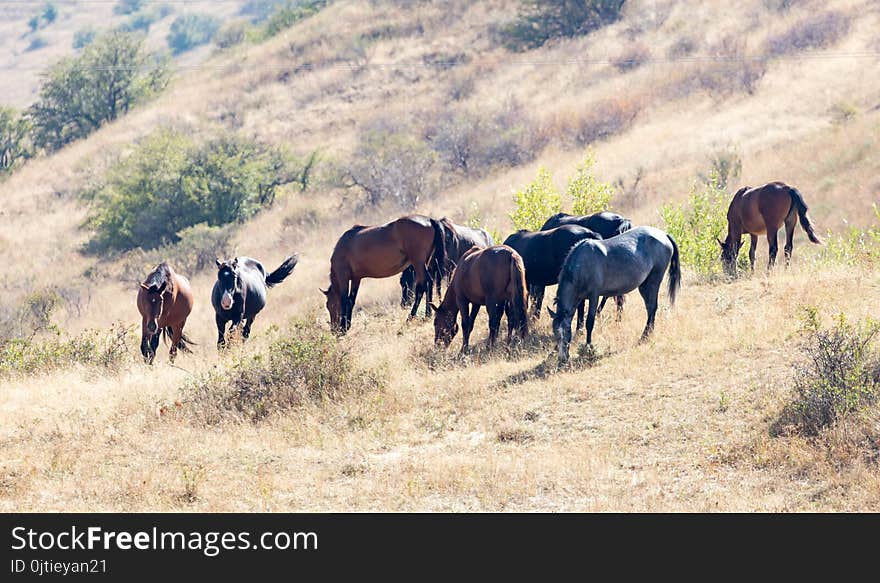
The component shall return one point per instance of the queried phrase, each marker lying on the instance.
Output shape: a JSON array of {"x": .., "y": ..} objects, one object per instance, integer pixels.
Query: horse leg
[
  {"x": 650, "y": 289},
  {"x": 221, "y": 327},
  {"x": 753, "y": 247},
  {"x": 790, "y": 224},
  {"x": 591, "y": 317},
  {"x": 468, "y": 314},
  {"x": 352, "y": 296},
  {"x": 421, "y": 279},
  {"x": 580, "y": 314},
  {"x": 246, "y": 330},
  {"x": 620, "y": 301},
  {"x": 154, "y": 346},
  {"x": 176, "y": 334},
  {"x": 537, "y": 292},
  {"x": 495, "y": 310},
  {"x": 773, "y": 240}
]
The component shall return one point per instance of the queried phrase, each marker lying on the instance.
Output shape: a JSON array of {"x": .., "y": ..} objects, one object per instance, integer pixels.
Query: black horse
[
  {"x": 616, "y": 266},
  {"x": 240, "y": 292},
  {"x": 606, "y": 224},
  {"x": 543, "y": 254},
  {"x": 459, "y": 240}
]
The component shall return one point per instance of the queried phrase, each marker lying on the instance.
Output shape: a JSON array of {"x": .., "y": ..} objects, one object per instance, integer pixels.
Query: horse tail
[
  {"x": 183, "y": 345},
  {"x": 283, "y": 271},
  {"x": 797, "y": 201},
  {"x": 519, "y": 300},
  {"x": 674, "y": 271},
  {"x": 438, "y": 261}
]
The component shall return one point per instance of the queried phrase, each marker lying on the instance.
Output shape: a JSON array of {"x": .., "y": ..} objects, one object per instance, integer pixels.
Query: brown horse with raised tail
[
  {"x": 382, "y": 251},
  {"x": 763, "y": 210},
  {"x": 494, "y": 277},
  {"x": 164, "y": 300}
]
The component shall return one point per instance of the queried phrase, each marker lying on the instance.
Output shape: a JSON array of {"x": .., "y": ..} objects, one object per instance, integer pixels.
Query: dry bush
[
  {"x": 461, "y": 85},
  {"x": 633, "y": 57},
  {"x": 838, "y": 378},
  {"x": 730, "y": 71},
  {"x": 601, "y": 121},
  {"x": 813, "y": 32},
  {"x": 105, "y": 349},
  {"x": 308, "y": 364},
  {"x": 682, "y": 47}
]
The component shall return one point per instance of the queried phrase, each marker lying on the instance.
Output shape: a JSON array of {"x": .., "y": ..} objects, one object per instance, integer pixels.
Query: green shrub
[
  {"x": 541, "y": 20},
  {"x": 83, "y": 37},
  {"x": 290, "y": 13},
  {"x": 191, "y": 30},
  {"x": 696, "y": 226},
  {"x": 536, "y": 202},
  {"x": 128, "y": 6},
  {"x": 50, "y": 13},
  {"x": 839, "y": 375},
  {"x": 308, "y": 365},
  {"x": 15, "y": 143},
  {"x": 170, "y": 183},
  {"x": 107, "y": 349},
  {"x": 110, "y": 76},
  {"x": 539, "y": 200},
  {"x": 855, "y": 246},
  {"x": 587, "y": 193}
]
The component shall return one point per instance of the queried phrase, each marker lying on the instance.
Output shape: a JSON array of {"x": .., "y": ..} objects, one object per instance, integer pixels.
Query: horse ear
[
  {"x": 235, "y": 263},
  {"x": 720, "y": 244},
  {"x": 326, "y": 292},
  {"x": 145, "y": 286},
  {"x": 433, "y": 307},
  {"x": 217, "y": 261},
  {"x": 552, "y": 313}
]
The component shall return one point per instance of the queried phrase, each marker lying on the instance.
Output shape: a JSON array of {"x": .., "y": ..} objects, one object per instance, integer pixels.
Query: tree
[
  {"x": 79, "y": 94},
  {"x": 542, "y": 20},
  {"x": 50, "y": 13},
  {"x": 14, "y": 143},
  {"x": 191, "y": 30}
]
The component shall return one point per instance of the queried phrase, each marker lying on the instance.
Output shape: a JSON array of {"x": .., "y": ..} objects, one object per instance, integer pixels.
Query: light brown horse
[
  {"x": 763, "y": 210},
  {"x": 494, "y": 277},
  {"x": 164, "y": 300},
  {"x": 381, "y": 251}
]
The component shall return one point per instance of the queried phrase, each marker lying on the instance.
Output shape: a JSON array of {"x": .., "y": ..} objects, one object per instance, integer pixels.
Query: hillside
[{"x": 678, "y": 423}]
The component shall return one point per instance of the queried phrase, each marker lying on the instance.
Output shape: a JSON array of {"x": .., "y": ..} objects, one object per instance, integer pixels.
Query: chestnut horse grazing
[
  {"x": 164, "y": 300},
  {"x": 494, "y": 277},
  {"x": 377, "y": 252},
  {"x": 763, "y": 210}
]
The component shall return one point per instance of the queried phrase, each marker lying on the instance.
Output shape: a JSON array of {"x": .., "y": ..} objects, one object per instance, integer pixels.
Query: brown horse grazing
[
  {"x": 756, "y": 211},
  {"x": 381, "y": 251},
  {"x": 494, "y": 277},
  {"x": 164, "y": 300}
]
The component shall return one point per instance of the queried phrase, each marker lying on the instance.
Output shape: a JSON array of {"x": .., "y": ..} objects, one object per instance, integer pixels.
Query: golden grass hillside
[{"x": 679, "y": 423}]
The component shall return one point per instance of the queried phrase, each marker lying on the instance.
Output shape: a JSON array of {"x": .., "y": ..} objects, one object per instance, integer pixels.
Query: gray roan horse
[
  {"x": 240, "y": 292},
  {"x": 636, "y": 259}
]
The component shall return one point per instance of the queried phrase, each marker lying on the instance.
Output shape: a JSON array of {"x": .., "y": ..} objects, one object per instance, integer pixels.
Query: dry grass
[{"x": 679, "y": 423}]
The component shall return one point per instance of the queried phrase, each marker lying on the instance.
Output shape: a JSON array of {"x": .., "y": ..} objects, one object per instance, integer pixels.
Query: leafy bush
[
  {"x": 855, "y": 246},
  {"x": 536, "y": 202},
  {"x": 37, "y": 43},
  {"x": 50, "y": 13},
  {"x": 308, "y": 365},
  {"x": 141, "y": 21},
  {"x": 83, "y": 37},
  {"x": 231, "y": 34},
  {"x": 698, "y": 224},
  {"x": 170, "y": 183},
  {"x": 14, "y": 139},
  {"x": 539, "y": 200},
  {"x": 541, "y": 20},
  {"x": 290, "y": 13},
  {"x": 587, "y": 193},
  {"x": 109, "y": 77},
  {"x": 839, "y": 375},
  {"x": 813, "y": 32},
  {"x": 107, "y": 349},
  {"x": 391, "y": 166},
  {"x": 191, "y": 30}
]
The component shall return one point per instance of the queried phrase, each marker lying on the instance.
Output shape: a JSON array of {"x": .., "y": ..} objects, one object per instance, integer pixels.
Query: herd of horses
[{"x": 591, "y": 258}]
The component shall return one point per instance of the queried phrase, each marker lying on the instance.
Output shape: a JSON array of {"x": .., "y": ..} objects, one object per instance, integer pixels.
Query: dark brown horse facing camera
[
  {"x": 763, "y": 210},
  {"x": 377, "y": 252},
  {"x": 164, "y": 300},
  {"x": 494, "y": 277}
]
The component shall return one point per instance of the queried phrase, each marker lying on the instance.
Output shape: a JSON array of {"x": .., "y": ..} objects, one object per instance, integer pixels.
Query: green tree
[
  {"x": 79, "y": 94},
  {"x": 588, "y": 194},
  {"x": 50, "y": 13},
  {"x": 170, "y": 183},
  {"x": 541, "y": 20},
  {"x": 191, "y": 30},
  {"x": 14, "y": 138},
  {"x": 536, "y": 202}
]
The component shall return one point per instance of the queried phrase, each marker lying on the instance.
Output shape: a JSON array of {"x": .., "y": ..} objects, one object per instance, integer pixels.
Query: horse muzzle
[
  {"x": 152, "y": 327},
  {"x": 226, "y": 301}
]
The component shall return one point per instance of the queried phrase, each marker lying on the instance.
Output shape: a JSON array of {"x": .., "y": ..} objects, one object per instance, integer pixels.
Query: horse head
[
  {"x": 445, "y": 325},
  {"x": 334, "y": 308},
  {"x": 562, "y": 332},
  {"x": 229, "y": 276},
  {"x": 729, "y": 253},
  {"x": 155, "y": 303}
]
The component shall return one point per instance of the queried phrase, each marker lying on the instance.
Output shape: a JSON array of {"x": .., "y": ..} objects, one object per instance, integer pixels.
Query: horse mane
[{"x": 160, "y": 275}]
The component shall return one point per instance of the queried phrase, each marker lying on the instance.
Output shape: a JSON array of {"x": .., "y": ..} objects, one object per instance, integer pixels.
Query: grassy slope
[{"x": 678, "y": 423}]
